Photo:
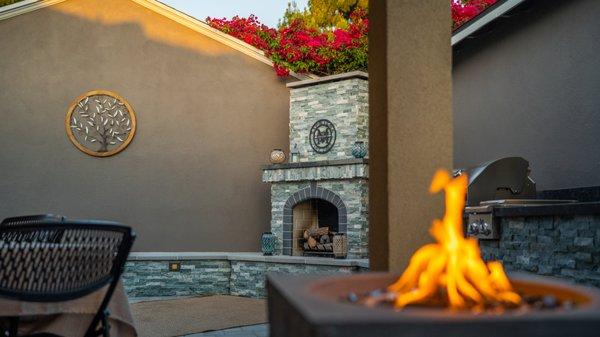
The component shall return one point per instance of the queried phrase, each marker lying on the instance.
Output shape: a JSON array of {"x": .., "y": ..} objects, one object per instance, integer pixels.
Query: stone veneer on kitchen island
[{"x": 560, "y": 240}]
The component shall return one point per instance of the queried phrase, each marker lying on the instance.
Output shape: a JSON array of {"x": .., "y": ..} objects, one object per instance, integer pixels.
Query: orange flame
[{"x": 452, "y": 268}]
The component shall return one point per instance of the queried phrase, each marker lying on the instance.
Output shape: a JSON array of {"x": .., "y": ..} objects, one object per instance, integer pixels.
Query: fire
[{"x": 452, "y": 269}]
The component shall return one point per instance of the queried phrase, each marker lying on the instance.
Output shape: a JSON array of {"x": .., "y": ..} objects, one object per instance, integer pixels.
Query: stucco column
[{"x": 410, "y": 124}]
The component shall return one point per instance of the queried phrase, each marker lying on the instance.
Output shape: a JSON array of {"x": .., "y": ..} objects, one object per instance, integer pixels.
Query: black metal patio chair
[{"x": 88, "y": 256}]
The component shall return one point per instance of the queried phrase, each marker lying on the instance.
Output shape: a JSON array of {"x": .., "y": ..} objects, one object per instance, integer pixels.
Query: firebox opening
[{"x": 314, "y": 223}]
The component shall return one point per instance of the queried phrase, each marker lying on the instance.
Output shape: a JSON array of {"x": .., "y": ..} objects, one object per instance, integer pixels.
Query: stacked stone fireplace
[{"x": 325, "y": 189}]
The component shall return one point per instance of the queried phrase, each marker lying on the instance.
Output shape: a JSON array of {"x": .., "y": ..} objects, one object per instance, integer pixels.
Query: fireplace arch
[{"x": 308, "y": 193}]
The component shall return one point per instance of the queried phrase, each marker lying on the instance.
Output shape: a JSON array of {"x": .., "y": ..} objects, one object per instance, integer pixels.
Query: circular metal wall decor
[
  {"x": 322, "y": 136},
  {"x": 100, "y": 123}
]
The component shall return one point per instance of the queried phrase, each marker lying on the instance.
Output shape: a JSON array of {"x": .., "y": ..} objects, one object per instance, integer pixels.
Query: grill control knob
[
  {"x": 473, "y": 228},
  {"x": 479, "y": 227},
  {"x": 484, "y": 228}
]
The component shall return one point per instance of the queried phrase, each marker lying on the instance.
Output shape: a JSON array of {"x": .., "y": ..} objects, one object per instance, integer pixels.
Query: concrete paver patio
[
  {"x": 214, "y": 315},
  {"x": 258, "y": 330}
]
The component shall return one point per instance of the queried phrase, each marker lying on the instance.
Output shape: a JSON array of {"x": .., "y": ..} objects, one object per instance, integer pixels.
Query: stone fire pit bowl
[{"x": 314, "y": 306}]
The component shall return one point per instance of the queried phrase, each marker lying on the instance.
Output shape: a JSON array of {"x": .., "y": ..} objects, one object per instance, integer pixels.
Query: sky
[{"x": 268, "y": 11}]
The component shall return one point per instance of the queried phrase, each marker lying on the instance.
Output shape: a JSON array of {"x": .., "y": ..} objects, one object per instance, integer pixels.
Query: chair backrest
[
  {"x": 88, "y": 256},
  {"x": 31, "y": 219}
]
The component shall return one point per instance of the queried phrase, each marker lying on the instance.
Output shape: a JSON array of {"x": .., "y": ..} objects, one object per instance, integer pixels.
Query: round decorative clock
[
  {"x": 100, "y": 123},
  {"x": 322, "y": 136}
]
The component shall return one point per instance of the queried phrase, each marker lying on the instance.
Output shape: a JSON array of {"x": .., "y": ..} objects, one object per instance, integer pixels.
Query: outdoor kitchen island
[{"x": 550, "y": 232}]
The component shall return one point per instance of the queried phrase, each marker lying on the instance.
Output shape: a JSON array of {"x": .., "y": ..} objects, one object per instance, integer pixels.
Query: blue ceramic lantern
[
  {"x": 359, "y": 149},
  {"x": 268, "y": 241}
]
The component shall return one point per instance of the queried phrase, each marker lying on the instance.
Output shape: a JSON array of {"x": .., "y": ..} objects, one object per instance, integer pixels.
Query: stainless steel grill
[{"x": 503, "y": 182}]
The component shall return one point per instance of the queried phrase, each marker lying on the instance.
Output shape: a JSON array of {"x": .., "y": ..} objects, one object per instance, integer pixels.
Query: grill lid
[
  {"x": 500, "y": 179},
  {"x": 524, "y": 202}
]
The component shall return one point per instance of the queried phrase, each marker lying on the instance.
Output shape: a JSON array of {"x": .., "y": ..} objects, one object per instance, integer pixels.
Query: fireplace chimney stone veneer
[{"x": 327, "y": 116}]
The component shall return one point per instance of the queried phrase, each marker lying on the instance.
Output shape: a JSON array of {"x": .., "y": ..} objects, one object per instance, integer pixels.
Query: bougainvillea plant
[
  {"x": 465, "y": 10},
  {"x": 302, "y": 49},
  {"x": 299, "y": 48}
]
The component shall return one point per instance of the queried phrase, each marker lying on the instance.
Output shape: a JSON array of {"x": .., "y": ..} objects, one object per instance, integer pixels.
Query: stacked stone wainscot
[{"x": 203, "y": 274}]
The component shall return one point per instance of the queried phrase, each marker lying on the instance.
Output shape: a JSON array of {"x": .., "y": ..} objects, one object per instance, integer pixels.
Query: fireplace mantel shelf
[
  {"x": 343, "y": 169},
  {"x": 321, "y": 163}
]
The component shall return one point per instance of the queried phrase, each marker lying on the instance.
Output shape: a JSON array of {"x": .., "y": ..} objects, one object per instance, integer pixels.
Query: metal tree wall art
[{"x": 100, "y": 123}]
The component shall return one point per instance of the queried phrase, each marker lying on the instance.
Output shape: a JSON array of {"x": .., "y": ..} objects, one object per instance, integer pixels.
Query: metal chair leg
[
  {"x": 104, "y": 327},
  {"x": 105, "y": 324},
  {"x": 13, "y": 327}
]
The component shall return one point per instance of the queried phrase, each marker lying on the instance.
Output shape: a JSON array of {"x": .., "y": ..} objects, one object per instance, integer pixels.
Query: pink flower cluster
[
  {"x": 249, "y": 30},
  {"x": 299, "y": 48},
  {"x": 465, "y": 10}
]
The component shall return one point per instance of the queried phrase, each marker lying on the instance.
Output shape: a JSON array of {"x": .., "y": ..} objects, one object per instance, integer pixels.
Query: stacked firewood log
[{"x": 318, "y": 239}]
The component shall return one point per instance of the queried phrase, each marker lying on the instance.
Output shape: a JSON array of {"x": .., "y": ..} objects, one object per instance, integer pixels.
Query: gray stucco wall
[
  {"x": 531, "y": 87},
  {"x": 208, "y": 117}
]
